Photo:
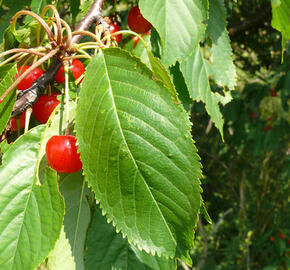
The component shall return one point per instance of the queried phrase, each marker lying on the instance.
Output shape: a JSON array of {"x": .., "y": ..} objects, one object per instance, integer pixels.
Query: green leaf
[
  {"x": 77, "y": 216},
  {"x": 160, "y": 73},
  {"x": 196, "y": 77},
  {"x": 60, "y": 258},
  {"x": 281, "y": 19},
  {"x": 13, "y": 6},
  {"x": 179, "y": 24},
  {"x": 74, "y": 6},
  {"x": 38, "y": 5},
  {"x": 223, "y": 69},
  {"x": 180, "y": 86},
  {"x": 7, "y": 73},
  {"x": 141, "y": 51},
  {"x": 31, "y": 215},
  {"x": 108, "y": 250},
  {"x": 137, "y": 154}
]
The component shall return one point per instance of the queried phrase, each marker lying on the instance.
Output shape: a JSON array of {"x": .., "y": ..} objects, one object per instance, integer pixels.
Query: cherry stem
[
  {"x": 131, "y": 33},
  {"x": 87, "y": 33},
  {"x": 66, "y": 71},
  {"x": 22, "y": 50},
  {"x": 76, "y": 57},
  {"x": 57, "y": 20},
  {"x": 12, "y": 58},
  {"x": 25, "y": 73},
  {"x": 68, "y": 34},
  {"x": 36, "y": 17},
  {"x": 27, "y": 119}
]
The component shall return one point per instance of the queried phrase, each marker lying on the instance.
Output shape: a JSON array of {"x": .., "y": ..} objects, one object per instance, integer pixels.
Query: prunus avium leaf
[
  {"x": 31, "y": 215},
  {"x": 222, "y": 66},
  {"x": 179, "y": 24},
  {"x": 77, "y": 215},
  {"x": 106, "y": 250},
  {"x": 138, "y": 155},
  {"x": 197, "y": 79},
  {"x": 281, "y": 19},
  {"x": 61, "y": 258},
  {"x": 7, "y": 74}
]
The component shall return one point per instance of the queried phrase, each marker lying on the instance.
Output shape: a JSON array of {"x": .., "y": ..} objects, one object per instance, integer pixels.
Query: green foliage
[
  {"x": 29, "y": 213},
  {"x": 77, "y": 216},
  {"x": 61, "y": 256},
  {"x": 7, "y": 74},
  {"x": 119, "y": 254},
  {"x": 135, "y": 204},
  {"x": 281, "y": 19},
  {"x": 128, "y": 109},
  {"x": 222, "y": 68},
  {"x": 196, "y": 78},
  {"x": 179, "y": 24}
]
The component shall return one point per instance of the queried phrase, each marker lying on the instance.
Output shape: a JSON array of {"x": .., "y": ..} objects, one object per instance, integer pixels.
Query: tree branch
[{"x": 94, "y": 15}]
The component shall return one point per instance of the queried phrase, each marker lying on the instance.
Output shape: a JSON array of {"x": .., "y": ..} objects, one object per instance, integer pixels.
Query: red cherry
[
  {"x": 21, "y": 122},
  {"x": 288, "y": 241},
  {"x": 113, "y": 29},
  {"x": 137, "y": 22},
  {"x": 77, "y": 68},
  {"x": 272, "y": 238},
  {"x": 135, "y": 40},
  {"x": 61, "y": 154},
  {"x": 44, "y": 106},
  {"x": 273, "y": 92},
  {"x": 265, "y": 128},
  {"x": 30, "y": 78},
  {"x": 281, "y": 236},
  {"x": 252, "y": 115}
]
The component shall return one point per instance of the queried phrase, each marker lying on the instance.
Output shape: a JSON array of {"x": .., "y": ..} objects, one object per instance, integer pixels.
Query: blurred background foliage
[{"x": 246, "y": 178}]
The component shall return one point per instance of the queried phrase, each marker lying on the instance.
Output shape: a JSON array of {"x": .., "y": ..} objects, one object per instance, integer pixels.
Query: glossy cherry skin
[
  {"x": 113, "y": 29},
  {"x": 21, "y": 122},
  {"x": 77, "y": 68},
  {"x": 30, "y": 78},
  {"x": 135, "y": 40},
  {"x": 137, "y": 22},
  {"x": 61, "y": 154},
  {"x": 44, "y": 106}
]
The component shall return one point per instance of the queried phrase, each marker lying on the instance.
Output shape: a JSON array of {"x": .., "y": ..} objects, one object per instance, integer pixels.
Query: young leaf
[
  {"x": 196, "y": 77},
  {"x": 31, "y": 215},
  {"x": 7, "y": 74},
  {"x": 224, "y": 72},
  {"x": 61, "y": 258},
  {"x": 108, "y": 250},
  {"x": 137, "y": 154},
  {"x": 77, "y": 216},
  {"x": 179, "y": 24}
]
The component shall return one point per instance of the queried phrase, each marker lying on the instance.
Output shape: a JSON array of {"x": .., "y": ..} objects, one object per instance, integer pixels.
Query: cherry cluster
[
  {"x": 136, "y": 23},
  {"x": 61, "y": 150}
]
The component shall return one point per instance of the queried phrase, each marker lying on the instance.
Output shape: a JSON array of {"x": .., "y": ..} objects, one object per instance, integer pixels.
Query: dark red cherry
[
  {"x": 137, "y": 22},
  {"x": 29, "y": 79},
  {"x": 113, "y": 29},
  {"x": 77, "y": 68},
  {"x": 61, "y": 154},
  {"x": 44, "y": 106},
  {"x": 21, "y": 122}
]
